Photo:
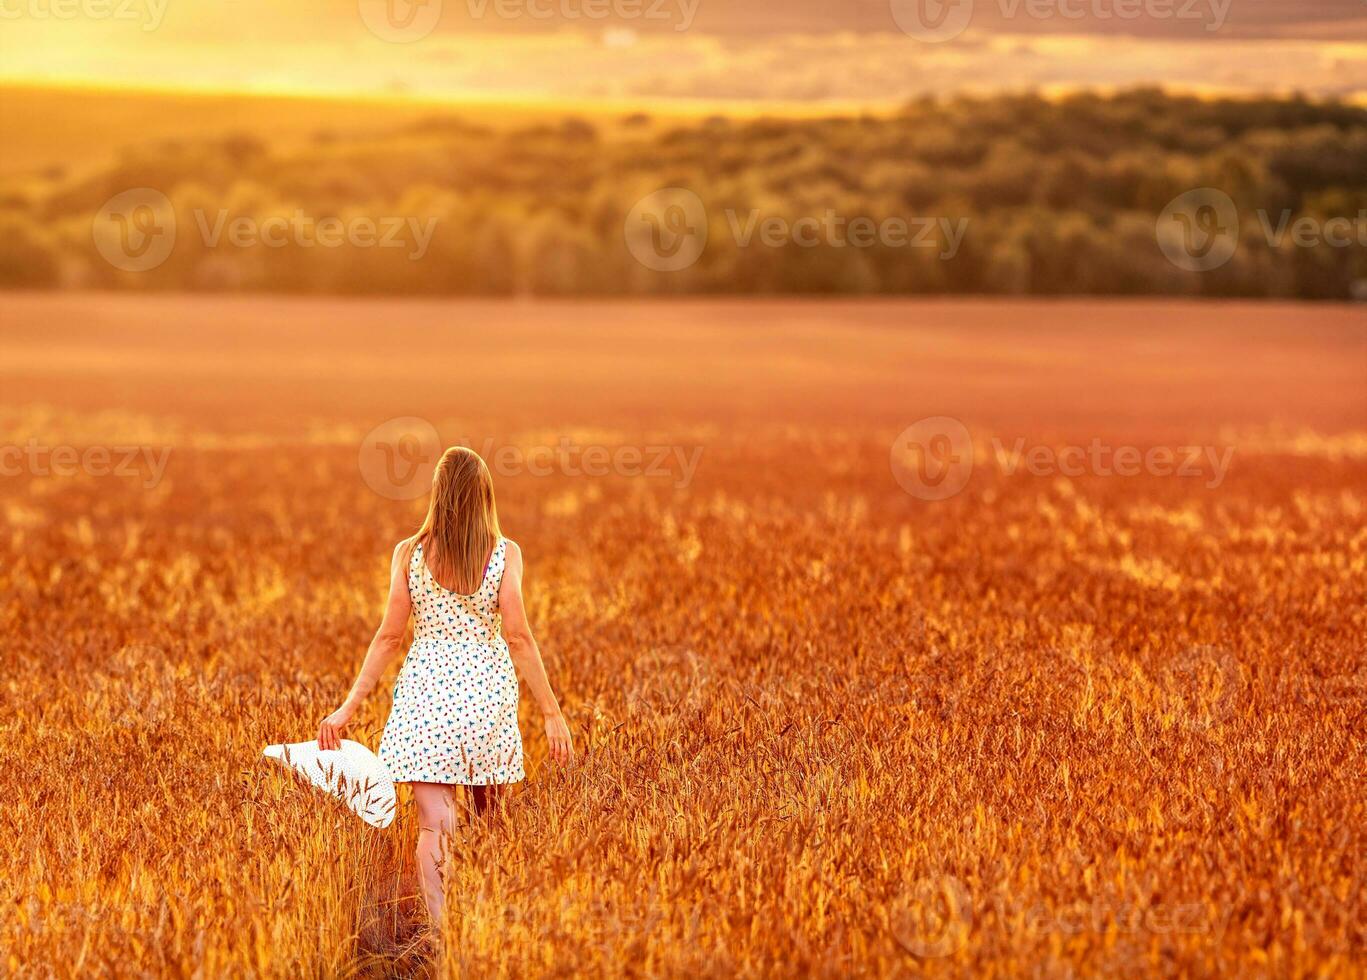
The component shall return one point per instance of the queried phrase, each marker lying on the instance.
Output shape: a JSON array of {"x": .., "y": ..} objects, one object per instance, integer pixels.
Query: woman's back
[{"x": 441, "y": 615}]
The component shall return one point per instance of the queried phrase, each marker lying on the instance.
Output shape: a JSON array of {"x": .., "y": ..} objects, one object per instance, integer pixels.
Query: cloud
[{"x": 575, "y": 63}]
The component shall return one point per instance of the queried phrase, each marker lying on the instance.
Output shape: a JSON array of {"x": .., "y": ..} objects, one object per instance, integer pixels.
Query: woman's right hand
[
  {"x": 558, "y": 738},
  {"x": 331, "y": 728}
]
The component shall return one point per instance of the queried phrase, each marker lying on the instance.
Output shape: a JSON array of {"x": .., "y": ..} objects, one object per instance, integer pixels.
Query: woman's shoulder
[
  {"x": 403, "y": 551},
  {"x": 511, "y": 550}
]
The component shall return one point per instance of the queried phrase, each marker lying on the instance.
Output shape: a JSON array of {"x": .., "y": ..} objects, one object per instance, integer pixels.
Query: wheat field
[{"x": 1053, "y": 725}]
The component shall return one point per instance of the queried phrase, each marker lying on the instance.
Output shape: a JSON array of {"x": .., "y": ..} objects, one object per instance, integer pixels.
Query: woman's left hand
[
  {"x": 330, "y": 731},
  {"x": 558, "y": 738}
]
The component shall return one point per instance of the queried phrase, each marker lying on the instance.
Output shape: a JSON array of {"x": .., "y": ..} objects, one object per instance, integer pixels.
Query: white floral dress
[{"x": 454, "y": 718}]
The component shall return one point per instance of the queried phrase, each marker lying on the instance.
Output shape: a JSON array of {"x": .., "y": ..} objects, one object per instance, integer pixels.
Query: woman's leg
[
  {"x": 436, "y": 821},
  {"x": 483, "y": 799}
]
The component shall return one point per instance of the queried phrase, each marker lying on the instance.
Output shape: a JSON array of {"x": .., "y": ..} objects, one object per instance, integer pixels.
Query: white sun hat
[{"x": 353, "y": 774}]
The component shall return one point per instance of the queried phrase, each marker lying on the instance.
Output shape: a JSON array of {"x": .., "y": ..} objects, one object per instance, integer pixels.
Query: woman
[{"x": 454, "y": 720}]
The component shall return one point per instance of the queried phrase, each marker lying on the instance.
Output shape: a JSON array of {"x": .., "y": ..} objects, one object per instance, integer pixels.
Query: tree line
[{"x": 1010, "y": 195}]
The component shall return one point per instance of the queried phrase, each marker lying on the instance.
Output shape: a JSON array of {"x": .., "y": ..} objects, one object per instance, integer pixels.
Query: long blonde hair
[{"x": 461, "y": 528}]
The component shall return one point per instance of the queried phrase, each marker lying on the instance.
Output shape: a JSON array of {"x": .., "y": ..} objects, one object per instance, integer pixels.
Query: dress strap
[
  {"x": 416, "y": 562},
  {"x": 498, "y": 561}
]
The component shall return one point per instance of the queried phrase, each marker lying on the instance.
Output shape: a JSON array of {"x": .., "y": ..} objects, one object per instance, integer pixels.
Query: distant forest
[{"x": 1051, "y": 196}]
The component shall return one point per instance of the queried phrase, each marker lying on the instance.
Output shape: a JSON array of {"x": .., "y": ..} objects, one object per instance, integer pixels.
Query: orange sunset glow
[{"x": 675, "y": 50}]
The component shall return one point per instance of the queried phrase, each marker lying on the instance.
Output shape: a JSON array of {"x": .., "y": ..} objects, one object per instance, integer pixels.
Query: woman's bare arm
[
  {"x": 384, "y": 647},
  {"x": 527, "y": 656}
]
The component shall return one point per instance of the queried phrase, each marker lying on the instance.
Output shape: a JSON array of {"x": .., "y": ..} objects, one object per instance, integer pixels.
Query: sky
[{"x": 794, "y": 51}]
